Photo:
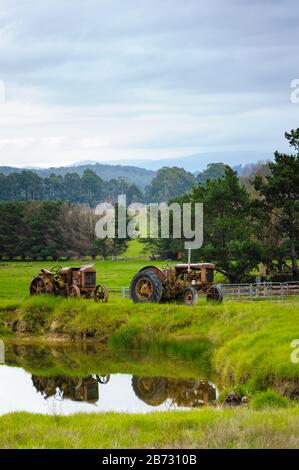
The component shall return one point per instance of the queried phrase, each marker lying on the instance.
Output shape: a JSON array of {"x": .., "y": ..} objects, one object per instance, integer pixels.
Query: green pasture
[{"x": 206, "y": 428}]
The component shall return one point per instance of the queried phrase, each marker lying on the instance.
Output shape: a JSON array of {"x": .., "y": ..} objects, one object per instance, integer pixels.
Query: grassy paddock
[
  {"x": 15, "y": 277},
  {"x": 206, "y": 428}
]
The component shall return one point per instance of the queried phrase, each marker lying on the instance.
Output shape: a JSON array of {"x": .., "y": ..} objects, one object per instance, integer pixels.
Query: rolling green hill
[{"x": 139, "y": 176}]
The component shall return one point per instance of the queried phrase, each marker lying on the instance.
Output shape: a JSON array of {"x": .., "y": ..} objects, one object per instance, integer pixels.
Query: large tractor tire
[
  {"x": 190, "y": 296},
  {"x": 215, "y": 294},
  {"x": 38, "y": 286},
  {"x": 151, "y": 390},
  {"x": 146, "y": 286}
]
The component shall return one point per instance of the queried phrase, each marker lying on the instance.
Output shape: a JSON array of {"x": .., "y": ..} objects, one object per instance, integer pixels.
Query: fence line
[{"x": 263, "y": 290}]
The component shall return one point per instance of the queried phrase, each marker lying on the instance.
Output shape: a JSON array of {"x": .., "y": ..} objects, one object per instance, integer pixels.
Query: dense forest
[
  {"x": 51, "y": 230},
  {"x": 86, "y": 189},
  {"x": 249, "y": 220}
]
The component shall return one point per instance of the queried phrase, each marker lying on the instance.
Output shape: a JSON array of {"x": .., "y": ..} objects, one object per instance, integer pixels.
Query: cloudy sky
[{"x": 117, "y": 79}]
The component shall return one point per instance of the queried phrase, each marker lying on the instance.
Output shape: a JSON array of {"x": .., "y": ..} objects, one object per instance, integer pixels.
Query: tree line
[
  {"x": 91, "y": 189},
  {"x": 86, "y": 189},
  {"x": 41, "y": 230}
]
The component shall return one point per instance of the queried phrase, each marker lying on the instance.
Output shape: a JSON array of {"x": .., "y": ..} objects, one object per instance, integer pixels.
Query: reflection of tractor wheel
[
  {"x": 74, "y": 291},
  {"x": 103, "y": 379},
  {"x": 190, "y": 296},
  {"x": 101, "y": 294},
  {"x": 76, "y": 382},
  {"x": 38, "y": 286},
  {"x": 146, "y": 286},
  {"x": 151, "y": 390},
  {"x": 214, "y": 294}
]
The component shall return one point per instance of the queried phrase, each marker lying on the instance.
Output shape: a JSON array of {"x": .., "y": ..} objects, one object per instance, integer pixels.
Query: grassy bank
[
  {"x": 243, "y": 343},
  {"x": 207, "y": 428}
]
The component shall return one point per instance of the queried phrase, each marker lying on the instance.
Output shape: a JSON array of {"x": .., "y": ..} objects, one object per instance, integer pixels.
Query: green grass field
[
  {"x": 15, "y": 277},
  {"x": 206, "y": 428}
]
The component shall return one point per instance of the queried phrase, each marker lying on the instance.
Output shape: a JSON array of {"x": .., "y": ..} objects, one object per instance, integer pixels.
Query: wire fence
[{"x": 256, "y": 291}]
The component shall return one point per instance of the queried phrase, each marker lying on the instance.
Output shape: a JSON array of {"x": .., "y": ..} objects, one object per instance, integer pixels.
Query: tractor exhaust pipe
[{"x": 189, "y": 259}]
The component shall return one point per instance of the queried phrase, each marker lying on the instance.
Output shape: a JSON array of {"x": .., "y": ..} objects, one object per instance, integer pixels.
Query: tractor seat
[{"x": 46, "y": 271}]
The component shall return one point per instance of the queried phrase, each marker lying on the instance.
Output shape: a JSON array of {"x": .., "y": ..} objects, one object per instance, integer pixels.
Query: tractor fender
[{"x": 158, "y": 271}]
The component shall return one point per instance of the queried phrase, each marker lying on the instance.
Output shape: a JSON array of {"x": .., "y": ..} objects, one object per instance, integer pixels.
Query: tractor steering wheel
[
  {"x": 55, "y": 269},
  {"x": 166, "y": 265}
]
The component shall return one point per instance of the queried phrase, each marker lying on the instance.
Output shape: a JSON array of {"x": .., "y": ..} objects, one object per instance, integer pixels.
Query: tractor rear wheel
[
  {"x": 38, "y": 286},
  {"x": 215, "y": 294},
  {"x": 146, "y": 286},
  {"x": 151, "y": 390},
  {"x": 190, "y": 296},
  {"x": 74, "y": 291}
]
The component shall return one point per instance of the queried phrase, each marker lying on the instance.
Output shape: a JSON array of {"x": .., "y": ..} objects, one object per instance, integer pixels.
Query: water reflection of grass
[
  {"x": 206, "y": 428},
  {"x": 82, "y": 360}
]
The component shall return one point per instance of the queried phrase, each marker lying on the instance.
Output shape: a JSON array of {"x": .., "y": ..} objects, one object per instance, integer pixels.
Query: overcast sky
[{"x": 115, "y": 79}]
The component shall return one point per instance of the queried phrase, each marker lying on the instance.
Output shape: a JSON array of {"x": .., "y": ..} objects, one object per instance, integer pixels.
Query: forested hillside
[{"x": 139, "y": 176}]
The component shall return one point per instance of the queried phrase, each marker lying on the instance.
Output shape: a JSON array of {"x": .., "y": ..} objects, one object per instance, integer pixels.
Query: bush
[{"x": 269, "y": 399}]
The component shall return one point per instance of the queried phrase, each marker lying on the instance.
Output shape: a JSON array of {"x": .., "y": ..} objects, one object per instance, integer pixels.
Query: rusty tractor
[
  {"x": 180, "y": 282},
  {"x": 180, "y": 392},
  {"x": 69, "y": 282}
]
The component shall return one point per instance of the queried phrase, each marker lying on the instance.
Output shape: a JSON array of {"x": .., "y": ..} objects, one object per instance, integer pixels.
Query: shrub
[{"x": 269, "y": 399}]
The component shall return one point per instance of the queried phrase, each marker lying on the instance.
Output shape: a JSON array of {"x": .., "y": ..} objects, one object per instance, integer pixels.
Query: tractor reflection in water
[
  {"x": 189, "y": 393},
  {"x": 72, "y": 388}
]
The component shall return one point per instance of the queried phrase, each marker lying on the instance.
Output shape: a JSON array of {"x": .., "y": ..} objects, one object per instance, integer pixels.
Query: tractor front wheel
[
  {"x": 74, "y": 291},
  {"x": 146, "y": 286},
  {"x": 38, "y": 286},
  {"x": 214, "y": 294},
  {"x": 190, "y": 296}
]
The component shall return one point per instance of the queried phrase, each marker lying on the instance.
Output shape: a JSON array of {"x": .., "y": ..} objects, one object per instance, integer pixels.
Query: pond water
[{"x": 60, "y": 380}]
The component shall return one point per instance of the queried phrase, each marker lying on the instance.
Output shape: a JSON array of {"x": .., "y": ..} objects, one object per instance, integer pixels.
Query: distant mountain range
[
  {"x": 141, "y": 172},
  {"x": 139, "y": 176},
  {"x": 197, "y": 162}
]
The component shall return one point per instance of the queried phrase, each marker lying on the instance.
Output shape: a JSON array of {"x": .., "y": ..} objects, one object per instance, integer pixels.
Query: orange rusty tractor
[
  {"x": 182, "y": 281},
  {"x": 69, "y": 282}
]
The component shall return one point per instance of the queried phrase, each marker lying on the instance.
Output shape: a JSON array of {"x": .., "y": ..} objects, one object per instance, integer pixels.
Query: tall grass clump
[{"x": 269, "y": 399}]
